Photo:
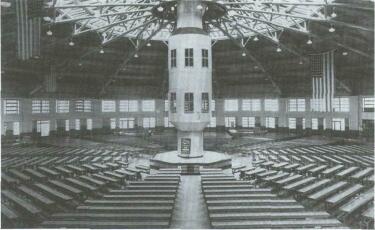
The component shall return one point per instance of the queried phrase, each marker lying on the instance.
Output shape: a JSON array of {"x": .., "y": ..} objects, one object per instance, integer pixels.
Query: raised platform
[{"x": 209, "y": 159}]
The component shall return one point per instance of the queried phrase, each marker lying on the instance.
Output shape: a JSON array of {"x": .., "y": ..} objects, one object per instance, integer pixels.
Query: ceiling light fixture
[
  {"x": 160, "y": 9},
  {"x": 101, "y": 51},
  {"x": 49, "y": 32},
  {"x": 332, "y": 29},
  {"x": 243, "y": 54},
  {"x": 136, "y": 55},
  {"x": 278, "y": 49},
  {"x": 309, "y": 42},
  {"x": 344, "y": 53},
  {"x": 333, "y": 15},
  {"x": 199, "y": 7},
  {"x": 148, "y": 44},
  {"x": 71, "y": 43},
  {"x": 256, "y": 39}
]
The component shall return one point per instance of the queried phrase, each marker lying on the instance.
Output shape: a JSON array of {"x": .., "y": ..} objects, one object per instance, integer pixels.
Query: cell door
[
  {"x": 44, "y": 128},
  {"x": 16, "y": 128}
]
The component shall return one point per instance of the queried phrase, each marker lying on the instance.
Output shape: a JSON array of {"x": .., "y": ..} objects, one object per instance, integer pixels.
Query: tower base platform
[{"x": 208, "y": 160}]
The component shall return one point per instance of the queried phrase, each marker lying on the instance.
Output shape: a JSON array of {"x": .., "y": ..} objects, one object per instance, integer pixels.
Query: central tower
[{"x": 190, "y": 78}]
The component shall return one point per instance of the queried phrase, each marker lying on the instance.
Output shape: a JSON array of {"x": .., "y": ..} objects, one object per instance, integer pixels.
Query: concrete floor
[{"x": 190, "y": 208}]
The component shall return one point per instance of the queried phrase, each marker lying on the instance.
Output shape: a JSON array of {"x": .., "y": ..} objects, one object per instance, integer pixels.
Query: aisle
[{"x": 190, "y": 209}]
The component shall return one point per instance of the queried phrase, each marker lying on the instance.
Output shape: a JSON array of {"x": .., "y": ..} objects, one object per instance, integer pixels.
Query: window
[
  {"x": 251, "y": 105},
  {"x": 40, "y": 106},
  {"x": 270, "y": 122},
  {"x": 230, "y": 122},
  {"x": 11, "y": 107},
  {"x": 338, "y": 124},
  {"x": 83, "y": 106},
  {"x": 166, "y": 105},
  {"x": 108, "y": 106},
  {"x": 62, "y": 106},
  {"x": 340, "y": 104},
  {"x": 42, "y": 127},
  {"x": 317, "y": 105},
  {"x": 205, "y": 103},
  {"x": 296, "y": 105},
  {"x": 189, "y": 103},
  {"x": 189, "y": 60},
  {"x": 149, "y": 122},
  {"x": 314, "y": 124},
  {"x": 113, "y": 123},
  {"x": 271, "y": 105},
  {"x": 213, "y": 105},
  {"x": 231, "y": 105},
  {"x": 128, "y": 106},
  {"x": 148, "y": 105},
  {"x": 67, "y": 125},
  {"x": 77, "y": 124},
  {"x": 248, "y": 122},
  {"x": 173, "y": 58},
  {"x": 173, "y": 105},
  {"x": 89, "y": 124},
  {"x": 212, "y": 123},
  {"x": 167, "y": 123},
  {"x": 16, "y": 128},
  {"x": 303, "y": 123},
  {"x": 368, "y": 104},
  {"x": 127, "y": 123},
  {"x": 204, "y": 58},
  {"x": 292, "y": 123}
]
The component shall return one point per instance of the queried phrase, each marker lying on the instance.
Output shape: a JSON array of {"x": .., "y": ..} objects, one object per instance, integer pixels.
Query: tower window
[
  {"x": 205, "y": 103},
  {"x": 189, "y": 61},
  {"x": 204, "y": 58},
  {"x": 173, "y": 105},
  {"x": 189, "y": 103},
  {"x": 173, "y": 58}
]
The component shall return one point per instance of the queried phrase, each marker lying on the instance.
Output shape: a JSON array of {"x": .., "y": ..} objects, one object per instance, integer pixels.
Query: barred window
[
  {"x": 113, "y": 123},
  {"x": 338, "y": 124},
  {"x": 340, "y": 104},
  {"x": 148, "y": 105},
  {"x": 204, "y": 58},
  {"x": 89, "y": 124},
  {"x": 173, "y": 58},
  {"x": 270, "y": 122},
  {"x": 189, "y": 103},
  {"x": 77, "y": 124},
  {"x": 127, "y": 123},
  {"x": 248, "y": 122},
  {"x": 11, "y": 106},
  {"x": 62, "y": 106},
  {"x": 40, "y": 106},
  {"x": 149, "y": 122},
  {"x": 167, "y": 123},
  {"x": 317, "y": 105},
  {"x": 108, "y": 106},
  {"x": 314, "y": 124},
  {"x": 128, "y": 106},
  {"x": 231, "y": 105},
  {"x": 292, "y": 123},
  {"x": 83, "y": 106},
  {"x": 296, "y": 105},
  {"x": 271, "y": 105},
  {"x": 251, "y": 105},
  {"x": 230, "y": 122},
  {"x": 189, "y": 57},
  {"x": 173, "y": 105},
  {"x": 205, "y": 103},
  {"x": 212, "y": 123},
  {"x": 166, "y": 105},
  {"x": 368, "y": 104}
]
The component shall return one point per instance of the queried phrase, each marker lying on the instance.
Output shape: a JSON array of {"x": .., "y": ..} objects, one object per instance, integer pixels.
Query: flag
[
  {"x": 28, "y": 28},
  {"x": 323, "y": 81}
]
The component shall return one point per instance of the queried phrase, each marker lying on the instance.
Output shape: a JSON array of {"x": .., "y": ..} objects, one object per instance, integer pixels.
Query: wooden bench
[
  {"x": 238, "y": 191},
  {"x": 313, "y": 187},
  {"x": 81, "y": 185},
  {"x": 368, "y": 218},
  {"x": 120, "y": 202},
  {"x": 53, "y": 193},
  {"x": 36, "y": 197},
  {"x": 64, "y": 171},
  {"x": 307, "y": 223},
  {"x": 297, "y": 184},
  {"x": 154, "y": 187},
  {"x": 239, "y": 196},
  {"x": 256, "y": 202},
  {"x": 126, "y": 209},
  {"x": 24, "y": 206},
  {"x": 35, "y": 174},
  {"x": 95, "y": 182},
  {"x": 141, "y": 196},
  {"x": 287, "y": 180},
  {"x": 9, "y": 217},
  {"x": 105, "y": 178},
  {"x": 305, "y": 168},
  {"x": 106, "y": 224},
  {"x": 49, "y": 172},
  {"x": 255, "y": 208},
  {"x": 359, "y": 176},
  {"x": 142, "y": 191},
  {"x": 8, "y": 180},
  {"x": 90, "y": 168},
  {"x": 330, "y": 171},
  {"x": 220, "y": 217},
  {"x": 76, "y": 169},
  {"x": 112, "y": 216},
  {"x": 317, "y": 170},
  {"x": 324, "y": 193},
  {"x": 72, "y": 191},
  {"x": 344, "y": 195},
  {"x": 224, "y": 182},
  {"x": 346, "y": 172},
  {"x": 355, "y": 204},
  {"x": 19, "y": 175}
]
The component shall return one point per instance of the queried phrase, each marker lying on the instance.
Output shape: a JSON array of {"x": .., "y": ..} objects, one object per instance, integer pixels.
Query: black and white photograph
[{"x": 187, "y": 114}]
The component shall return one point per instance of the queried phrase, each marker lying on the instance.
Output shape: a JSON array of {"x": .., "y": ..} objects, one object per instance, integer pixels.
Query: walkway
[{"x": 190, "y": 209}]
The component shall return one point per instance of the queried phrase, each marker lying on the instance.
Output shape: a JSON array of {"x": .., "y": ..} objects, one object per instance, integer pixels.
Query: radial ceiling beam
[
  {"x": 97, "y": 29},
  {"x": 102, "y": 5},
  {"x": 217, "y": 25},
  {"x": 130, "y": 56},
  {"x": 59, "y": 21}
]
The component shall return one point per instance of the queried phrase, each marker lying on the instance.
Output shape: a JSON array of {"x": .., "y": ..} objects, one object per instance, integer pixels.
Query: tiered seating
[
  {"x": 142, "y": 204},
  {"x": 238, "y": 204}
]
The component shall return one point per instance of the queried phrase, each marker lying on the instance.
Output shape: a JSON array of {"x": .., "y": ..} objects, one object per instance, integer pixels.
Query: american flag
[
  {"x": 28, "y": 28},
  {"x": 323, "y": 81}
]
